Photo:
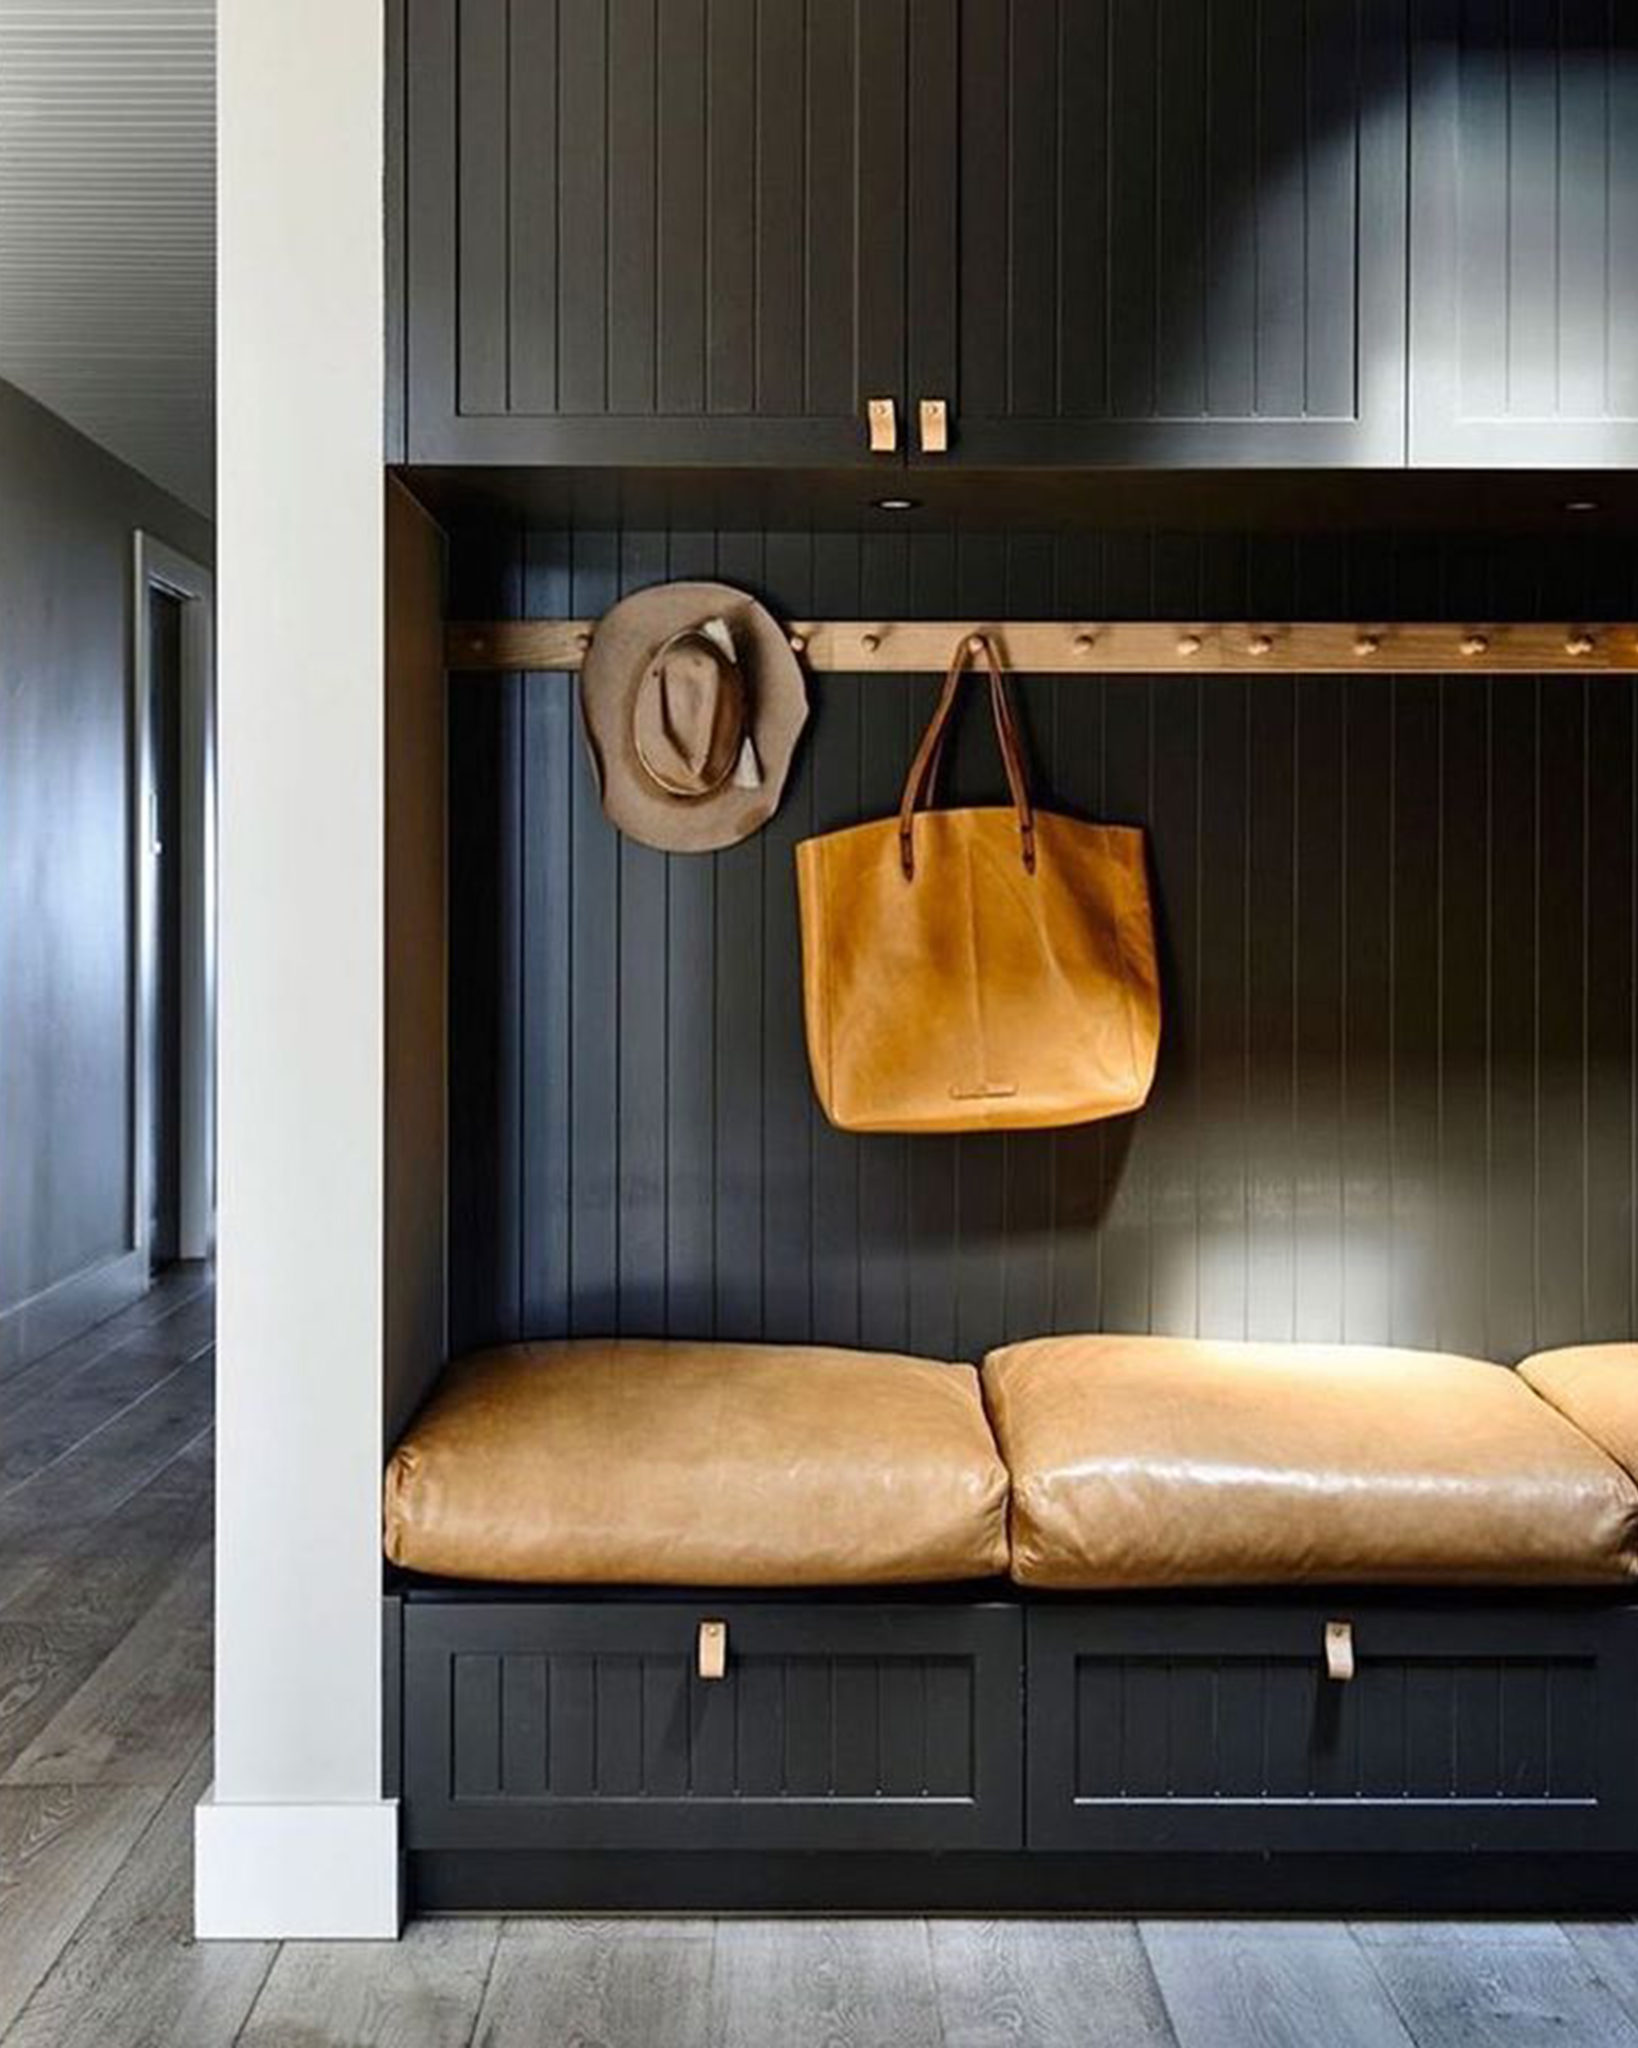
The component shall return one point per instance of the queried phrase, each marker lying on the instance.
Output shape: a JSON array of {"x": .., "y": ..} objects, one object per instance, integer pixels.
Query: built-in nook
[{"x": 1395, "y": 1105}]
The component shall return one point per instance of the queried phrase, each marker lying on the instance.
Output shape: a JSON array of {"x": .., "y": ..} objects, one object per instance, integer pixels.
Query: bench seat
[
  {"x": 1165, "y": 1462},
  {"x": 655, "y": 1463}
]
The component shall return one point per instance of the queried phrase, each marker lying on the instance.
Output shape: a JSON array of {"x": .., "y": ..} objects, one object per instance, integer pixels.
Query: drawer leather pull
[
  {"x": 883, "y": 416},
  {"x": 1339, "y": 1650},
  {"x": 713, "y": 1649},
  {"x": 934, "y": 416}
]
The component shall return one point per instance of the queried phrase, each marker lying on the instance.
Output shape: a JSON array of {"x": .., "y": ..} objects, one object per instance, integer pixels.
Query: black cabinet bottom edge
[{"x": 1447, "y": 1886}]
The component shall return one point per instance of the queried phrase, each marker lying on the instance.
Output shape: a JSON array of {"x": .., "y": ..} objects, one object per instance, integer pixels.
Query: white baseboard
[{"x": 296, "y": 1873}]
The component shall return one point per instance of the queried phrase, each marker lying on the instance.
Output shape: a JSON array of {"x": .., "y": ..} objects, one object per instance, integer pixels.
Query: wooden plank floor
[{"x": 105, "y": 1477}]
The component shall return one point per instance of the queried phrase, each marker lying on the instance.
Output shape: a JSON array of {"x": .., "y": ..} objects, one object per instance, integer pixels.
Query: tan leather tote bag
[{"x": 977, "y": 970}]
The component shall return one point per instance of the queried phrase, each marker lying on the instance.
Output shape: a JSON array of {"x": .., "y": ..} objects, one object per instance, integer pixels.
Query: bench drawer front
[
  {"x": 1463, "y": 1727},
  {"x": 581, "y": 1726}
]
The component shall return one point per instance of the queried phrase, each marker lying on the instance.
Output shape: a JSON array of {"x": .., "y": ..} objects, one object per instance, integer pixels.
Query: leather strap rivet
[{"x": 1339, "y": 1651}]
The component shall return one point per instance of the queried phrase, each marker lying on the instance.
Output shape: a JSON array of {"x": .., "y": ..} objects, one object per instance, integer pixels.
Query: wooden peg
[
  {"x": 1188, "y": 643},
  {"x": 798, "y": 644},
  {"x": 1367, "y": 644},
  {"x": 713, "y": 1649},
  {"x": 975, "y": 643},
  {"x": 1084, "y": 643},
  {"x": 870, "y": 642},
  {"x": 1579, "y": 644},
  {"x": 1260, "y": 643},
  {"x": 1339, "y": 1651},
  {"x": 1474, "y": 644}
]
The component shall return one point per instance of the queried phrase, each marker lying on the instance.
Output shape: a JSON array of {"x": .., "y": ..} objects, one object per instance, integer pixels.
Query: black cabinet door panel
[
  {"x": 1524, "y": 224},
  {"x": 583, "y": 1725},
  {"x": 1467, "y": 1726},
  {"x": 653, "y": 230},
  {"x": 1160, "y": 231}
]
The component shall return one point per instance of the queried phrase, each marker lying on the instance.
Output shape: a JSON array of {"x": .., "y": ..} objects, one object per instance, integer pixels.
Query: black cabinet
[
  {"x": 1467, "y": 1725},
  {"x": 1101, "y": 231},
  {"x": 1169, "y": 235},
  {"x": 542, "y": 1724},
  {"x": 1524, "y": 232},
  {"x": 652, "y": 231}
]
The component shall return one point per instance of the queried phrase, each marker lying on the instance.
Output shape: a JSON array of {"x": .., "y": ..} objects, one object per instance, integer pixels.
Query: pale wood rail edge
[{"x": 904, "y": 647}]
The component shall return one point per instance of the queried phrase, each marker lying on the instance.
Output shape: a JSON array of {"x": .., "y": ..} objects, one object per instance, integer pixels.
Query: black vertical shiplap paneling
[
  {"x": 830, "y": 764},
  {"x": 1396, "y": 1098},
  {"x": 531, "y": 208},
  {"x": 550, "y": 765},
  {"x": 641, "y": 1039},
  {"x": 738, "y": 1000},
  {"x": 583, "y": 213},
  {"x": 597, "y": 857},
  {"x": 632, "y": 223},
  {"x": 690, "y": 969},
  {"x": 488, "y": 1087}
]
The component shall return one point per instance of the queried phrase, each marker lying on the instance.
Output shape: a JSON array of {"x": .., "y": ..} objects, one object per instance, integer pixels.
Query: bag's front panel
[{"x": 978, "y": 994}]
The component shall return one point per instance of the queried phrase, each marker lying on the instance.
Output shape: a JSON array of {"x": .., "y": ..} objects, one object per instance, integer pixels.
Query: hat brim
[{"x": 626, "y": 640}]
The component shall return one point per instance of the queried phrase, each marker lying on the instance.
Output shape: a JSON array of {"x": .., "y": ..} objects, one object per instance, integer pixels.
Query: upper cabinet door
[
  {"x": 652, "y": 231},
  {"x": 1524, "y": 289},
  {"x": 1162, "y": 232}
]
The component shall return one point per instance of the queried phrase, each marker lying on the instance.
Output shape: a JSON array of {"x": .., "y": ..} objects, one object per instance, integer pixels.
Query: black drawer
[
  {"x": 1467, "y": 1725},
  {"x": 580, "y": 1725}
]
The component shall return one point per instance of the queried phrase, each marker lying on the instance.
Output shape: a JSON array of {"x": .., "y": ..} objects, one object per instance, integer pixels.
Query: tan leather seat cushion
[
  {"x": 1153, "y": 1461},
  {"x": 642, "y": 1462},
  {"x": 1596, "y": 1387}
]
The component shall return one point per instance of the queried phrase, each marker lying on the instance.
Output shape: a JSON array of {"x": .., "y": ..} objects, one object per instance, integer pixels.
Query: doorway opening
[{"x": 173, "y": 1194}]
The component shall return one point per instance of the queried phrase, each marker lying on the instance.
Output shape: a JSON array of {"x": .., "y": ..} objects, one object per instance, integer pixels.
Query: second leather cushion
[
  {"x": 1154, "y": 1461},
  {"x": 644, "y": 1462}
]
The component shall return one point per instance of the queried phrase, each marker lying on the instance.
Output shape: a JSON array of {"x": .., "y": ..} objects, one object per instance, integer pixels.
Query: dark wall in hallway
[
  {"x": 1396, "y": 1099},
  {"x": 67, "y": 515}
]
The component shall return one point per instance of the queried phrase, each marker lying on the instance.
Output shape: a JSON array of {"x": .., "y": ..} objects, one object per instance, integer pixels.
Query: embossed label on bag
[{"x": 984, "y": 1090}]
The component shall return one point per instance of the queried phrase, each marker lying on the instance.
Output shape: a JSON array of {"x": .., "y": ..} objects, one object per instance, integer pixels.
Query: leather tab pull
[
  {"x": 883, "y": 418},
  {"x": 1339, "y": 1651},
  {"x": 713, "y": 1649}
]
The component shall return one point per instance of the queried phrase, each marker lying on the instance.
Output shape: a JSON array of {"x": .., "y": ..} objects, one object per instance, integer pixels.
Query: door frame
[{"x": 157, "y": 567}]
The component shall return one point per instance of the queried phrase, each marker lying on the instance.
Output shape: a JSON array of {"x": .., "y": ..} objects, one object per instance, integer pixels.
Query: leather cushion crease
[
  {"x": 1156, "y": 1461},
  {"x": 1595, "y": 1386},
  {"x": 646, "y": 1462}
]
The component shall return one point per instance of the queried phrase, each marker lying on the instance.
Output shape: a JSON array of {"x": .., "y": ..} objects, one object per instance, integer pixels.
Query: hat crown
[{"x": 688, "y": 720}]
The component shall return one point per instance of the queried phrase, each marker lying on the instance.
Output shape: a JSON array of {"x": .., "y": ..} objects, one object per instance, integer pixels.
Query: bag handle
[{"x": 918, "y": 784}]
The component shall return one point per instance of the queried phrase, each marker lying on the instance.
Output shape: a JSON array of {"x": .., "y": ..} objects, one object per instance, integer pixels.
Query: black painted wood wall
[{"x": 1396, "y": 1099}]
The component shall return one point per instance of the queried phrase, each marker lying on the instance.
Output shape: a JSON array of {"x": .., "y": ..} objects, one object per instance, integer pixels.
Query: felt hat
[{"x": 693, "y": 702}]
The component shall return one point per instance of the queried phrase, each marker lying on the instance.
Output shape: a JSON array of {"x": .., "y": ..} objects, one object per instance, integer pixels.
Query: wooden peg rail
[{"x": 905, "y": 647}]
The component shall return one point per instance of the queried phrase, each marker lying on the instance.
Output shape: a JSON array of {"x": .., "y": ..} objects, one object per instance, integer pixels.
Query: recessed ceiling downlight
[
  {"x": 896, "y": 504},
  {"x": 1581, "y": 504}
]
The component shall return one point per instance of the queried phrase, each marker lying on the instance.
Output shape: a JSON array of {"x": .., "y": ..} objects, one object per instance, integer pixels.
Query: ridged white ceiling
[{"x": 107, "y": 224}]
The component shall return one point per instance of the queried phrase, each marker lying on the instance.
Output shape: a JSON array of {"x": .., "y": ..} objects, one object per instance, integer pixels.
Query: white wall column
[{"x": 295, "y": 1838}]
